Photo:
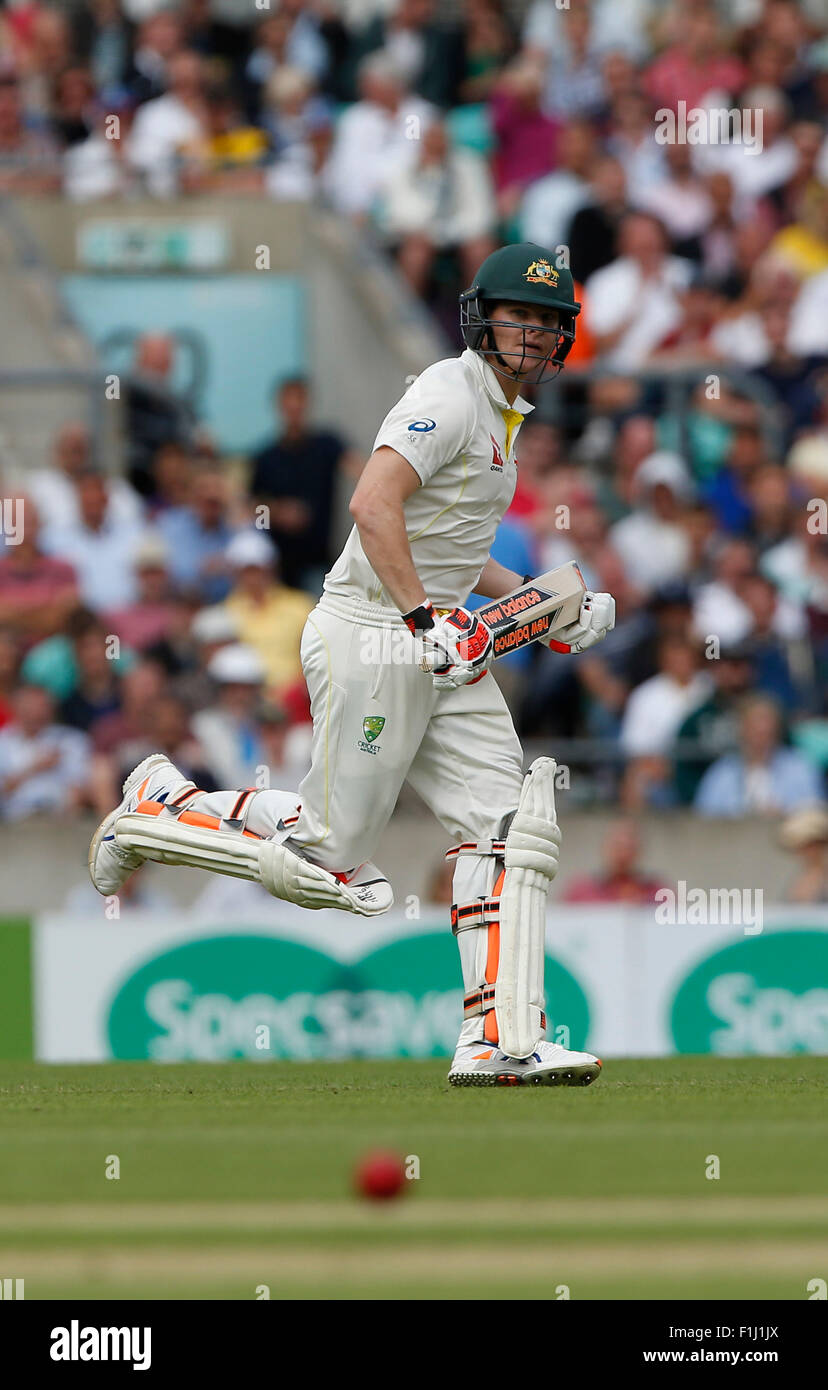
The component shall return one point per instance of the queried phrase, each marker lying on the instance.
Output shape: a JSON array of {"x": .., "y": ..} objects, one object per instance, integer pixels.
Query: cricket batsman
[{"x": 426, "y": 509}]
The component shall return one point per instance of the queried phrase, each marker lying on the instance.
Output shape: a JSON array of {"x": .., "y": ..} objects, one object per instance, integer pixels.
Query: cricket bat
[{"x": 550, "y": 602}]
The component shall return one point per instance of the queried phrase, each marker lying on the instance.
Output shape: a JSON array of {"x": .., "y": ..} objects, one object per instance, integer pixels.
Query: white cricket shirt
[{"x": 458, "y": 431}]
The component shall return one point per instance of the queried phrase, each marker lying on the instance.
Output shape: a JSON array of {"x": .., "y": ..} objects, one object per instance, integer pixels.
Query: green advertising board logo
[
  {"x": 372, "y": 726},
  {"x": 259, "y": 997},
  {"x": 767, "y": 995}
]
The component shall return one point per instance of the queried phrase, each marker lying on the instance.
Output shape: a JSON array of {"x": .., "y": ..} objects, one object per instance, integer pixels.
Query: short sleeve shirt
[{"x": 457, "y": 430}]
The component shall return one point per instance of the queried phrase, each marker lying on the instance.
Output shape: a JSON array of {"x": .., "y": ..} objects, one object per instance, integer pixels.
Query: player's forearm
[
  {"x": 385, "y": 542},
  {"x": 495, "y": 580}
]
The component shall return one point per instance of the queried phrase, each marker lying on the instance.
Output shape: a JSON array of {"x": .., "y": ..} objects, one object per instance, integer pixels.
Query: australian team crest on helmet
[{"x": 541, "y": 273}]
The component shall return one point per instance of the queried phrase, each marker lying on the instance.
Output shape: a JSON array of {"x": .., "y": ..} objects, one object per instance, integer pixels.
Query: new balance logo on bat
[
  {"x": 513, "y": 605},
  {"x": 519, "y": 636}
]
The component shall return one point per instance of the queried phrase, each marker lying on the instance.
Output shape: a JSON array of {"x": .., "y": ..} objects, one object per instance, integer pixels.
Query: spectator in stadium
[
  {"x": 651, "y": 540},
  {"x": 228, "y": 730},
  {"x": 209, "y": 630},
  {"x": 620, "y": 80},
  {"x": 43, "y": 764},
  {"x": 298, "y": 122},
  {"x": 54, "y": 489},
  {"x": 295, "y": 476},
  {"x": 128, "y": 730},
  {"x": 634, "y": 441},
  {"x": 718, "y": 240},
  {"x": 488, "y": 44},
  {"x": 771, "y": 507},
  {"x": 714, "y": 725},
  {"x": 99, "y": 547},
  {"x": 698, "y": 63},
  {"x": 72, "y": 105},
  {"x": 427, "y": 52},
  {"x": 270, "y": 615},
  {"x": 97, "y": 167},
  {"x": 621, "y": 25},
  {"x": 230, "y": 156},
  {"x": 691, "y": 339},
  {"x": 158, "y": 40},
  {"x": 631, "y": 139},
  {"x": 805, "y": 834},
  {"x": 774, "y": 160},
  {"x": 719, "y": 607},
  {"x": 289, "y": 38},
  {"x": 652, "y": 718},
  {"x": 728, "y": 493},
  {"x": 798, "y": 566},
  {"x": 29, "y": 156},
  {"x": 633, "y": 301},
  {"x": 157, "y": 415},
  {"x": 148, "y": 620},
  {"x": 794, "y": 197},
  {"x": 574, "y": 85},
  {"x": 763, "y": 777},
  {"x": 550, "y": 203},
  {"x": 526, "y": 140},
  {"x": 96, "y": 692},
  {"x": 621, "y": 879},
  {"x": 225, "y": 46},
  {"x": 168, "y": 128},
  {"x": 104, "y": 40},
  {"x": 37, "y": 590},
  {"x": 791, "y": 379},
  {"x": 777, "y": 630},
  {"x": 174, "y": 470},
  {"x": 197, "y": 534},
  {"x": 680, "y": 201},
  {"x": 443, "y": 202},
  {"x": 50, "y": 55},
  {"x": 593, "y": 233},
  {"x": 374, "y": 138}
]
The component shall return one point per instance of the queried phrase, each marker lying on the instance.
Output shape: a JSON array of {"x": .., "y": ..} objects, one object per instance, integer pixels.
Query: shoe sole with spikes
[{"x": 547, "y": 1076}]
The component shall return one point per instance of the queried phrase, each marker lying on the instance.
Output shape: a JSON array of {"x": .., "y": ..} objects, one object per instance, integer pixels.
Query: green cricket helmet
[{"x": 519, "y": 274}]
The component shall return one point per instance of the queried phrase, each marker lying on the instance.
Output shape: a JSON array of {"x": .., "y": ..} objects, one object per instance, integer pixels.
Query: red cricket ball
[{"x": 379, "y": 1175}]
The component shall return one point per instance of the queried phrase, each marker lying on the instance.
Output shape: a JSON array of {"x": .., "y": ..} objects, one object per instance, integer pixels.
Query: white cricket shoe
[
  {"x": 109, "y": 865},
  {"x": 483, "y": 1064}
]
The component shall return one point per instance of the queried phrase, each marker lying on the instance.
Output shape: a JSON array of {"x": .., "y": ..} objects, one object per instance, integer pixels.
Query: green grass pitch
[{"x": 238, "y": 1176}]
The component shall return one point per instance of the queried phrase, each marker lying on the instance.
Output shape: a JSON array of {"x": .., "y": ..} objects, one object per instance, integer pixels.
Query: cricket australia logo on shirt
[{"x": 372, "y": 727}]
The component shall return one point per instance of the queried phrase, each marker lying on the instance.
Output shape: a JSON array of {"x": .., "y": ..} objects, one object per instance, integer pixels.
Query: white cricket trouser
[{"x": 377, "y": 721}]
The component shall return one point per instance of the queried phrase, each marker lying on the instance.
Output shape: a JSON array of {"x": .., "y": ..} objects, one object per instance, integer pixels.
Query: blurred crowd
[{"x": 164, "y": 609}]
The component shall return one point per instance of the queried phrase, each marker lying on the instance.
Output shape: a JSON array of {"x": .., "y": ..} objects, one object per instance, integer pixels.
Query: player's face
[{"x": 524, "y": 335}]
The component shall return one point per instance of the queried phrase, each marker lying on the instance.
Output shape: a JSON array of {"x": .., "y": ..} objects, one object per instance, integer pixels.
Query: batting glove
[
  {"x": 596, "y": 619},
  {"x": 457, "y": 646}
]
